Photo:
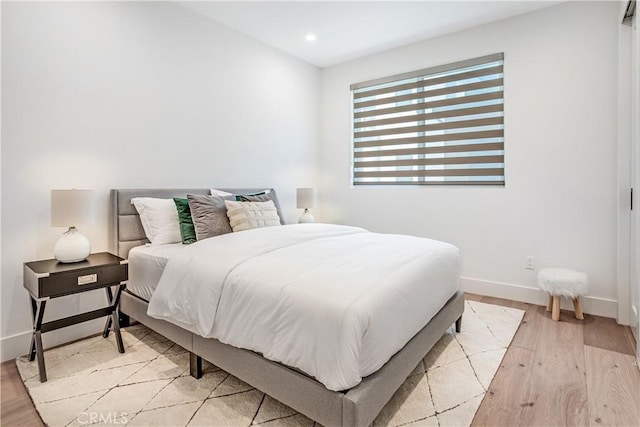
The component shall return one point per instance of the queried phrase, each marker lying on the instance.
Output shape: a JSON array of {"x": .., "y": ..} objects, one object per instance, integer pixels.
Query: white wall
[
  {"x": 559, "y": 201},
  {"x": 116, "y": 94}
]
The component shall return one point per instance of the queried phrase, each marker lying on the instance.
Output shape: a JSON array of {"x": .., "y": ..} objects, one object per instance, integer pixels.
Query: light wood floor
[
  {"x": 16, "y": 409},
  {"x": 567, "y": 373}
]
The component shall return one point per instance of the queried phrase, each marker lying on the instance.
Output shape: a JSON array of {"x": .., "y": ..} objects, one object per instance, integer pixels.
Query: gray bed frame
[{"x": 355, "y": 407}]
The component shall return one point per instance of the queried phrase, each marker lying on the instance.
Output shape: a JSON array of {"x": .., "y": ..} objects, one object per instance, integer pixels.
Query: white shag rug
[{"x": 149, "y": 385}]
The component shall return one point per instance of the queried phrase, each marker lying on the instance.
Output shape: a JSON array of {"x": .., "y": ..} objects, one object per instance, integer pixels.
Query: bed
[{"x": 356, "y": 405}]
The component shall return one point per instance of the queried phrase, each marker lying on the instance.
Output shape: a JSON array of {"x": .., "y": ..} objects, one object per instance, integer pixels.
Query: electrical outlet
[{"x": 531, "y": 263}]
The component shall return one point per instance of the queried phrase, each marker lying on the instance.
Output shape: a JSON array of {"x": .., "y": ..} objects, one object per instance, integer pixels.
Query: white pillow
[
  {"x": 246, "y": 215},
  {"x": 159, "y": 219},
  {"x": 221, "y": 193}
]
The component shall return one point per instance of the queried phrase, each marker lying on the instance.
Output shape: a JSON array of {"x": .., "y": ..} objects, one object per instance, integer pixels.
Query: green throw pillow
[{"x": 187, "y": 230}]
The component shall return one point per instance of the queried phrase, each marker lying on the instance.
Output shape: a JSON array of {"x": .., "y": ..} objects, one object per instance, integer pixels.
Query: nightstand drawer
[{"x": 80, "y": 281}]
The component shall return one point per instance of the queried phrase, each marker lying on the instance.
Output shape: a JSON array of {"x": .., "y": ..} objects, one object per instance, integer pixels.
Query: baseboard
[
  {"x": 14, "y": 346},
  {"x": 18, "y": 345},
  {"x": 592, "y": 305}
]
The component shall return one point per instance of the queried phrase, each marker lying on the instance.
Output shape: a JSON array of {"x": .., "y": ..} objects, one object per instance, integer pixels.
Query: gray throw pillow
[{"x": 209, "y": 215}]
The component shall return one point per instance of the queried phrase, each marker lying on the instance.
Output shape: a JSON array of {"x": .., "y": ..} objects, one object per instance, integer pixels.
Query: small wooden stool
[{"x": 560, "y": 282}]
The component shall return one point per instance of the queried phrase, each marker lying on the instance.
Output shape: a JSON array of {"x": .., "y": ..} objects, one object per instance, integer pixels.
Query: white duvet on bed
[{"x": 333, "y": 301}]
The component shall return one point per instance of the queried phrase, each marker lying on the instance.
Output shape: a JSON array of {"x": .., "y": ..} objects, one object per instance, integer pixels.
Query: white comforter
[{"x": 333, "y": 301}]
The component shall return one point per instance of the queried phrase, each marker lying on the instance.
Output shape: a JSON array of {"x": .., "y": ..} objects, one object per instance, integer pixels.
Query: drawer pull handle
[{"x": 88, "y": 279}]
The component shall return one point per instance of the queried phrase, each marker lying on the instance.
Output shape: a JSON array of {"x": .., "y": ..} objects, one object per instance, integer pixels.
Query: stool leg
[
  {"x": 577, "y": 306},
  {"x": 550, "y": 303},
  {"x": 555, "y": 315}
]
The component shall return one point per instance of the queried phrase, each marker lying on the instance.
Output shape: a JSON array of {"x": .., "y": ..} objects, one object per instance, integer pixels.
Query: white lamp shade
[
  {"x": 71, "y": 207},
  {"x": 306, "y": 198}
]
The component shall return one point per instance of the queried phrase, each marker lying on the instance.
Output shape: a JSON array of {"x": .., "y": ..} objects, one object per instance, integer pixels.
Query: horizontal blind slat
[
  {"x": 430, "y": 82},
  {"x": 447, "y": 182},
  {"x": 431, "y": 93},
  {"x": 430, "y": 104},
  {"x": 458, "y": 136},
  {"x": 431, "y": 127},
  {"x": 431, "y": 172},
  {"x": 431, "y": 116},
  {"x": 495, "y": 146},
  {"x": 462, "y": 160}
]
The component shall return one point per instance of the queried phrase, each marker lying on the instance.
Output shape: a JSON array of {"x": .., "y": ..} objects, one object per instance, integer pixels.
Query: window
[{"x": 442, "y": 126}]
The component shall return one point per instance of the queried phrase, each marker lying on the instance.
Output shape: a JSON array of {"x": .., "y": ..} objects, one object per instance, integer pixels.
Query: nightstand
[{"x": 49, "y": 279}]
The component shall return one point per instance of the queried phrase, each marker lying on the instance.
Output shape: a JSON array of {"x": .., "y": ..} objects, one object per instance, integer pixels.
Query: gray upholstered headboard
[{"x": 126, "y": 229}]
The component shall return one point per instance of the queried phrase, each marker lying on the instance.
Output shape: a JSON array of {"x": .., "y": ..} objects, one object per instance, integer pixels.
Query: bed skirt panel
[
  {"x": 303, "y": 393},
  {"x": 136, "y": 308}
]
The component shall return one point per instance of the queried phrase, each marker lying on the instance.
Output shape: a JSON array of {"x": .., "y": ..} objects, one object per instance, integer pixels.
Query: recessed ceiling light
[{"x": 310, "y": 37}]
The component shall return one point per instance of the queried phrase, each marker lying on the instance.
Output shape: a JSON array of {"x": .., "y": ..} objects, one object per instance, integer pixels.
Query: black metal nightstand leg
[
  {"x": 107, "y": 327},
  {"x": 116, "y": 331},
  {"x": 107, "y": 323},
  {"x": 42, "y": 370},
  {"x": 32, "y": 347},
  {"x": 36, "y": 339},
  {"x": 114, "y": 316}
]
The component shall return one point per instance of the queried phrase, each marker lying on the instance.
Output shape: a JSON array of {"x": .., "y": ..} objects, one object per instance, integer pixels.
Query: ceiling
[{"x": 351, "y": 29}]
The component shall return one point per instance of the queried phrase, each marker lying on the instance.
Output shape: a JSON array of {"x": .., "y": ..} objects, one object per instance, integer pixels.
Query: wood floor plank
[
  {"x": 521, "y": 305},
  {"x": 558, "y": 389},
  {"x": 613, "y": 384},
  {"x": 472, "y": 297},
  {"x": 631, "y": 338},
  {"x": 16, "y": 408},
  {"x": 496, "y": 301},
  {"x": 605, "y": 333},
  {"x": 528, "y": 334},
  {"x": 508, "y": 394}
]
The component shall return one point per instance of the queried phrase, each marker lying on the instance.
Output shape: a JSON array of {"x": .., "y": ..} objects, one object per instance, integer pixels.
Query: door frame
[{"x": 628, "y": 259}]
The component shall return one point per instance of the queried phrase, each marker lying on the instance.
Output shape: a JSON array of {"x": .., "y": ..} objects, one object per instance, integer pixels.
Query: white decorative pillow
[
  {"x": 246, "y": 215},
  {"x": 159, "y": 219}
]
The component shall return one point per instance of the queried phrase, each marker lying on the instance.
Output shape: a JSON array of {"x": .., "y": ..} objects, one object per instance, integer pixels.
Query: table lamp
[
  {"x": 306, "y": 199},
  {"x": 70, "y": 208}
]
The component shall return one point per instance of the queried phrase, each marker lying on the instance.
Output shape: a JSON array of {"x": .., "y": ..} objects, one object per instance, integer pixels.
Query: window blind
[{"x": 443, "y": 126}]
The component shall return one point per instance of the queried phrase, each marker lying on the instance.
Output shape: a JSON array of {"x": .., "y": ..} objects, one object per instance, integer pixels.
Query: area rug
[{"x": 90, "y": 383}]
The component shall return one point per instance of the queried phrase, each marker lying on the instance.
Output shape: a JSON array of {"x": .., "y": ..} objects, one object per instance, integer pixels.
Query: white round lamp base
[
  {"x": 306, "y": 217},
  {"x": 72, "y": 246}
]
